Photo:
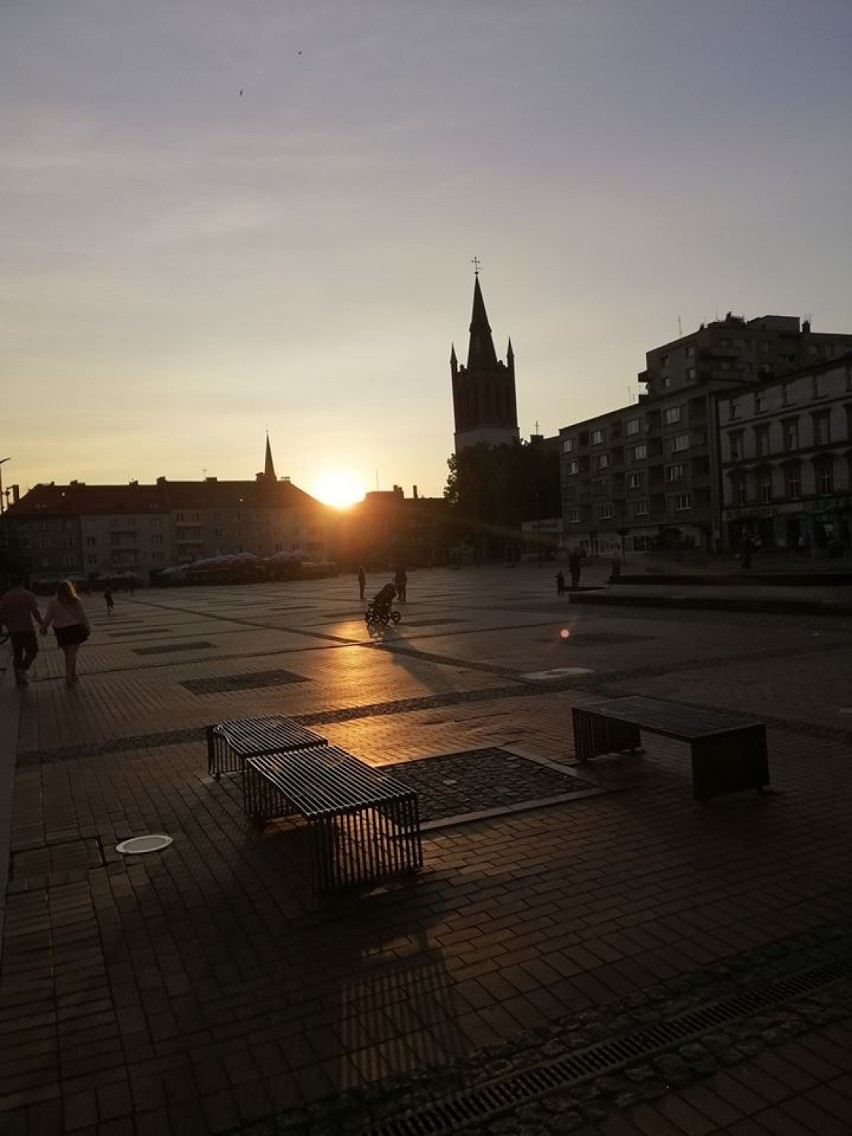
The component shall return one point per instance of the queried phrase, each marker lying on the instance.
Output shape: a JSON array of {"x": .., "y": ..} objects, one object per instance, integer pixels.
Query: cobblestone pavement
[{"x": 692, "y": 960}]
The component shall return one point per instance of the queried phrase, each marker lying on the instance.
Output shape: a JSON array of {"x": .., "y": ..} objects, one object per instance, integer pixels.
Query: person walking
[
  {"x": 400, "y": 579},
  {"x": 574, "y": 564},
  {"x": 362, "y": 581},
  {"x": 70, "y": 626},
  {"x": 18, "y": 610},
  {"x": 560, "y": 583},
  {"x": 108, "y": 600}
]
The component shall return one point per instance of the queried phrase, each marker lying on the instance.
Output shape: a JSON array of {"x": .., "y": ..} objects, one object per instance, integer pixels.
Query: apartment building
[
  {"x": 102, "y": 530},
  {"x": 786, "y": 459},
  {"x": 647, "y": 476}
]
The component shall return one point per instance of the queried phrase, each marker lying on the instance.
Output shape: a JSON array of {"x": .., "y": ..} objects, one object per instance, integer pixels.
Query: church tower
[{"x": 483, "y": 391}]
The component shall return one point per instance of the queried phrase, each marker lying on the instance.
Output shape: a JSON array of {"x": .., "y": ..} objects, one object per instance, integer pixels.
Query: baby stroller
[{"x": 379, "y": 609}]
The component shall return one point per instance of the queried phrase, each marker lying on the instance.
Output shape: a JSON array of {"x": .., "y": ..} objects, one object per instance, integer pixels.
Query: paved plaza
[{"x": 586, "y": 950}]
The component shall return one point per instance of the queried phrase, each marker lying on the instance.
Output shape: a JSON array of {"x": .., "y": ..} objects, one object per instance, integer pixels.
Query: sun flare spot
[{"x": 338, "y": 487}]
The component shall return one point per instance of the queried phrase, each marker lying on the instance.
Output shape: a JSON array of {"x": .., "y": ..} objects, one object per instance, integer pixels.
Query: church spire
[
  {"x": 480, "y": 354},
  {"x": 268, "y": 466}
]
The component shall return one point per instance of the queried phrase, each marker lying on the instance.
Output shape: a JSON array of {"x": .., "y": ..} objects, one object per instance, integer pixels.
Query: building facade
[
  {"x": 648, "y": 475},
  {"x": 105, "y": 530},
  {"x": 786, "y": 460},
  {"x": 484, "y": 399}
]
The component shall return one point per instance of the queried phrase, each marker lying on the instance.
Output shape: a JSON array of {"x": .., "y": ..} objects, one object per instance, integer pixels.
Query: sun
[{"x": 338, "y": 487}]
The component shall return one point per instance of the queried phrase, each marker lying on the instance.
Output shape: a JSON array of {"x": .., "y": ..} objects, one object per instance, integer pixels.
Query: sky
[{"x": 218, "y": 218}]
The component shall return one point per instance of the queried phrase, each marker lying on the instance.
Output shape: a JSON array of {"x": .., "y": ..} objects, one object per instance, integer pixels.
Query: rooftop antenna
[
  {"x": 377, "y": 481},
  {"x": 475, "y": 261},
  {"x": 679, "y": 329}
]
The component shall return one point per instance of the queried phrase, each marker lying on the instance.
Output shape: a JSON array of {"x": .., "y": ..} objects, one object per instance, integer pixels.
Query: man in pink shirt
[{"x": 18, "y": 609}]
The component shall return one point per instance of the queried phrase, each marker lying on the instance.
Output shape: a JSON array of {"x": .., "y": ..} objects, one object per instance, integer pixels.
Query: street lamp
[{"x": 2, "y": 463}]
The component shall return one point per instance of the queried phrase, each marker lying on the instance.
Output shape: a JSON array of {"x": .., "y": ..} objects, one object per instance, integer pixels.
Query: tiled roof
[{"x": 163, "y": 497}]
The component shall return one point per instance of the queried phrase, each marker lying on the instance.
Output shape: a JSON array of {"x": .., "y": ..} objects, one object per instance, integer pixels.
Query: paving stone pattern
[
  {"x": 452, "y": 785},
  {"x": 170, "y": 647},
  {"x": 206, "y": 988},
  {"x": 253, "y": 680}
]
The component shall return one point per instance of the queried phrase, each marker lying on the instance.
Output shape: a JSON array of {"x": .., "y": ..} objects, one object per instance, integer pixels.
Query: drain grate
[{"x": 604, "y": 1057}]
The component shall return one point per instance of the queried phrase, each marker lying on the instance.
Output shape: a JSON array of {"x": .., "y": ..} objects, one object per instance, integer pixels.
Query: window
[
  {"x": 725, "y": 365},
  {"x": 599, "y": 488},
  {"x": 740, "y": 495},
  {"x": 604, "y": 513},
  {"x": 787, "y": 395},
  {"x": 672, "y": 414},
  {"x": 825, "y": 478},
  {"x": 822, "y": 428},
  {"x": 567, "y": 445},
  {"x": 734, "y": 408},
  {"x": 156, "y": 539},
  {"x": 603, "y": 461},
  {"x": 791, "y": 434},
  {"x": 597, "y": 437},
  {"x": 690, "y": 374},
  {"x": 44, "y": 543},
  {"x": 764, "y": 345},
  {"x": 674, "y": 473},
  {"x": 91, "y": 541},
  {"x": 179, "y": 516},
  {"x": 793, "y": 482},
  {"x": 761, "y": 441},
  {"x": 640, "y": 509},
  {"x": 759, "y": 402},
  {"x": 683, "y": 501},
  {"x": 640, "y": 452},
  {"x": 91, "y": 561},
  {"x": 666, "y": 381},
  {"x": 632, "y": 425},
  {"x": 574, "y": 517},
  {"x": 572, "y": 467},
  {"x": 664, "y": 359},
  {"x": 69, "y": 542},
  {"x": 69, "y": 560},
  {"x": 634, "y": 481},
  {"x": 689, "y": 351},
  {"x": 681, "y": 442},
  {"x": 766, "y": 487}
]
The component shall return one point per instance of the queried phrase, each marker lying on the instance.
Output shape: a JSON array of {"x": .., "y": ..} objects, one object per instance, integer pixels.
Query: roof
[{"x": 77, "y": 499}]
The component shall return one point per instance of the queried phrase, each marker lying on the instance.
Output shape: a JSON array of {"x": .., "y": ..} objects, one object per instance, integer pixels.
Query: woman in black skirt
[{"x": 70, "y": 625}]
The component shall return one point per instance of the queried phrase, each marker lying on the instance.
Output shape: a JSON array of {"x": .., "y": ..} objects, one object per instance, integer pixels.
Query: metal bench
[
  {"x": 365, "y": 825},
  {"x": 230, "y": 743},
  {"x": 728, "y": 750}
]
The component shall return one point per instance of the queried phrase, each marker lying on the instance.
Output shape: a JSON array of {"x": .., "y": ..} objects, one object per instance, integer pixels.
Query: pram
[{"x": 379, "y": 609}]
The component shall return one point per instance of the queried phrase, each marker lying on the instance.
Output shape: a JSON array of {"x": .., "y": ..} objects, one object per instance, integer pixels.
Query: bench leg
[
  {"x": 594, "y": 734},
  {"x": 212, "y": 764},
  {"x": 736, "y": 759}
]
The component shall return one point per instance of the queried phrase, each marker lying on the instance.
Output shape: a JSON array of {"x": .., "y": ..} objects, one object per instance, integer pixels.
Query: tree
[{"x": 491, "y": 490}]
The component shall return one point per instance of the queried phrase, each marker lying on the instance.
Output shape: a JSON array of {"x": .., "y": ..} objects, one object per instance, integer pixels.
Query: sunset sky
[{"x": 183, "y": 266}]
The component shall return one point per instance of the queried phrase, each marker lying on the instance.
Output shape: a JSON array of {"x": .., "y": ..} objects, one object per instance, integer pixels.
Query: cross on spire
[
  {"x": 475, "y": 261},
  {"x": 536, "y": 427}
]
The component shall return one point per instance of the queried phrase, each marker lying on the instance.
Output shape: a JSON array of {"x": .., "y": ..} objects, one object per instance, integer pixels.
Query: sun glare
[{"x": 338, "y": 487}]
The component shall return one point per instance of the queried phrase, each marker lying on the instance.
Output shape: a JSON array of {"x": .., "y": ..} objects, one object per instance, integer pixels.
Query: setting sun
[{"x": 338, "y": 487}]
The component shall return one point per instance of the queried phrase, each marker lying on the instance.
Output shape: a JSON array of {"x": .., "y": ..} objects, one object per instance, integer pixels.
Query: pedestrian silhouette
[{"x": 362, "y": 581}]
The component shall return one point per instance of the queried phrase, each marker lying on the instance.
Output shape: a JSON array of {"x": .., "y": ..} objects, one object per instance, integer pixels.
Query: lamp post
[{"x": 2, "y": 499}]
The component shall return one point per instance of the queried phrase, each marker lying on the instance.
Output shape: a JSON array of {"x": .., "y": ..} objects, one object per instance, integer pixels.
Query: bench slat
[
  {"x": 669, "y": 719},
  {"x": 256, "y": 735},
  {"x": 325, "y": 779}
]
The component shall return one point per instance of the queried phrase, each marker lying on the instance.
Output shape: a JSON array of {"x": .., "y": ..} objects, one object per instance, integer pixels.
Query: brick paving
[{"x": 206, "y": 988}]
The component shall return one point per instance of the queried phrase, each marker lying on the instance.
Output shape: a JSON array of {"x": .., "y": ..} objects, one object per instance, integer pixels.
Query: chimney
[
  {"x": 16, "y": 494},
  {"x": 806, "y": 327},
  {"x": 414, "y": 494}
]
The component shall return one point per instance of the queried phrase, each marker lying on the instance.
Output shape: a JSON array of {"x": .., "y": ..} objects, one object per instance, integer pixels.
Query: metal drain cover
[{"x": 139, "y": 844}]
